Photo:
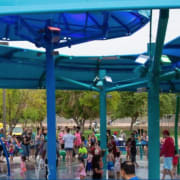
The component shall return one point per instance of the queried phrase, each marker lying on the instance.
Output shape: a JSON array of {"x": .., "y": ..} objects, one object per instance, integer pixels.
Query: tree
[
  {"x": 131, "y": 105},
  {"x": 16, "y": 103},
  {"x": 113, "y": 99},
  {"x": 83, "y": 105},
  {"x": 78, "y": 105},
  {"x": 35, "y": 110},
  {"x": 167, "y": 104}
]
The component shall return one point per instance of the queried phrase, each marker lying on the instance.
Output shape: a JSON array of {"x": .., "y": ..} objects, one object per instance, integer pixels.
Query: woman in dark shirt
[
  {"x": 112, "y": 145},
  {"x": 133, "y": 150},
  {"x": 97, "y": 166}
]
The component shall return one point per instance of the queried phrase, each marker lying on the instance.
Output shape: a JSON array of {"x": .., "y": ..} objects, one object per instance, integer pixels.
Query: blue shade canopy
[
  {"x": 25, "y": 69},
  {"x": 172, "y": 50},
  {"x": 74, "y": 28}
]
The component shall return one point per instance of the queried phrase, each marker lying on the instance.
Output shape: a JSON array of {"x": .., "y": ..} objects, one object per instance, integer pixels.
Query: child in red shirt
[
  {"x": 175, "y": 163},
  {"x": 11, "y": 152}
]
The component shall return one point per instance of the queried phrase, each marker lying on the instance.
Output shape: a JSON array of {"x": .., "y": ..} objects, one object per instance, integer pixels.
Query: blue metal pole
[
  {"x": 6, "y": 155},
  {"x": 176, "y": 129},
  {"x": 103, "y": 128},
  {"x": 153, "y": 130},
  {"x": 51, "y": 114},
  {"x": 153, "y": 100},
  {"x": 103, "y": 141}
]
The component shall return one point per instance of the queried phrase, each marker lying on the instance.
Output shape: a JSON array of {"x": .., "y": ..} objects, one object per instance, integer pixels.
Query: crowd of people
[{"x": 72, "y": 146}]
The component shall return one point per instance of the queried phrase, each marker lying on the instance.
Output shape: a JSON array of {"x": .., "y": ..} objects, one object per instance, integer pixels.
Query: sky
[{"x": 134, "y": 44}]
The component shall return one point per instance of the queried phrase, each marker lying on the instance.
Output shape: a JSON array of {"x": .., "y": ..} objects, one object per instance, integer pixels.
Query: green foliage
[
  {"x": 15, "y": 105},
  {"x": 83, "y": 105},
  {"x": 24, "y": 106},
  {"x": 131, "y": 105},
  {"x": 29, "y": 106},
  {"x": 78, "y": 105},
  {"x": 167, "y": 104},
  {"x": 35, "y": 110},
  {"x": 113, "y": 100}
]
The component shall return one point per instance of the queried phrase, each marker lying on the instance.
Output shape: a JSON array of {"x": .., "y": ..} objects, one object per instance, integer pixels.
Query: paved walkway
[{"x": 63, "y": 171}]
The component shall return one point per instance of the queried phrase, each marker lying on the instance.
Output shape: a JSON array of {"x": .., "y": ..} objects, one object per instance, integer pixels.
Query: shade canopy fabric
[
  {"x": 22, "y": 68},
  {"x": 74, "y": 28},
  {"x": 172, "y": 49}
]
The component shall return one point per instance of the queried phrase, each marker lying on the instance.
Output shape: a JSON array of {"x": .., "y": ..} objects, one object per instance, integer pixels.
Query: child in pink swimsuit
[
  {"x": 81, "y": 170},
  {"x": 23, "y": 167}
]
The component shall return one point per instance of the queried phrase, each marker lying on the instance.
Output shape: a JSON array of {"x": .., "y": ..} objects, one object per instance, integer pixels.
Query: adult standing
[
  {"x": 97, "y": 167},
  {"x": 144, "y": 142},
  {"x": 92, "y": 139},
  {"x": 69, "y": 145},
  {"x": 38, "y": 141},
  {"x": 31, "y": 137},
  {"x": 26, "y": 146},
  {"x": 167, "y": 151},
  {"x": 24, "y": 132},
  {"x": 2, "y": 133},
  {"x": 61, "y": 141},
  {"x": 133, "y": 149},
  {"x": 112, "y": 145},
  {"x": 77, "y": 141}
]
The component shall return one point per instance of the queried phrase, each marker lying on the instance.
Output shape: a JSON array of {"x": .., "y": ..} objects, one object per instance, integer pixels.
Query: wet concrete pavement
[{"x": 64, "y": 171}]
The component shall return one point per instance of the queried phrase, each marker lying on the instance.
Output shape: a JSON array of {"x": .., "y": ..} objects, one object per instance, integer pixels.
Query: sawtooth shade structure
[
  {"x": 74, "y": 28},
  {"x": 26, "y": 70},
  {"x": 53, "y": 31},
  {"x": 56, "y": 30}
]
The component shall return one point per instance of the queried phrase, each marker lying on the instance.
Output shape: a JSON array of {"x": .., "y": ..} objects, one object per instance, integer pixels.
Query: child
[
  {"x": 82, "y": 151},
  {"x": 110, "y": 160},
  {"x": 128, "y": 149},
  {"x": 11, "y": 152},
  {"x": 23, "y": 167},
  {"x": 77, "y": 141},
  {"x": 81, "y": 170},
  {"x": 175, "y": 162},
  {"x": 61, "y": 141},
  {"x": 89, "y": 163},
  {"x": 97, "y": 150},
  {"x": 117, "y": 165}
]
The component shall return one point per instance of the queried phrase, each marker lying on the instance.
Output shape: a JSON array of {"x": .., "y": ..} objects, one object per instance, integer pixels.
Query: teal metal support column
[
  {"x": 153, "y": 100},
  {"x": 103, "y": 141},
  {"x": 51, "y": 114},
  {"x": 153, "y": 130},
  {"x": 176, "y": 129},
  {"x": 103, "y": 128}
]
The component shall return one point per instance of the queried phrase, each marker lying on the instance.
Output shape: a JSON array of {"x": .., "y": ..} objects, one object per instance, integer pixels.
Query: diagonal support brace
[{"x": 89, "y": 87}]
